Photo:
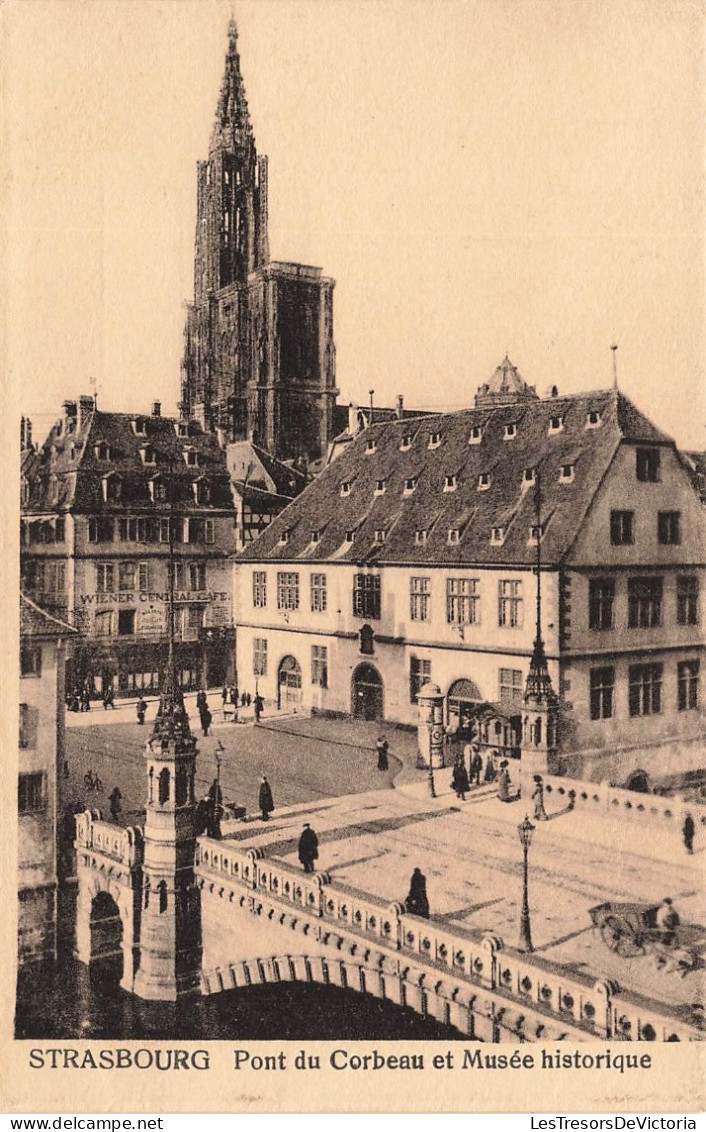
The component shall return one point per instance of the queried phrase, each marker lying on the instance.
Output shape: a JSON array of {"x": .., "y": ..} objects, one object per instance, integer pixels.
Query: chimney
[
  {"x": 552, "y": 391},
  {"x": 399, "y": 409},
  {"x": 352, "y": 418},
  {"x": 86, "y": 405},
  {"x": 156, "y": 408}
]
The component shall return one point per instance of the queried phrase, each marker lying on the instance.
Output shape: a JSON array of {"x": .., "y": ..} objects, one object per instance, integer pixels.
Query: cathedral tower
[{"x": 259, "y": 359}]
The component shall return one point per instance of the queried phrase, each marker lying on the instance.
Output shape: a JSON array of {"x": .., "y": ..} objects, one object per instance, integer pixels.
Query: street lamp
[
  {"x": 220, "y": 749},
  {"x": 525, "y": 830},
  {"x": 430, "y": 777}
]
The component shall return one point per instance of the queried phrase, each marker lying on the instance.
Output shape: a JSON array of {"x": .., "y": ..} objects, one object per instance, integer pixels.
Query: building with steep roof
[
  {"x": 412, "y": 558},
  {"x": 46, "y": 643},
  {"x": 261, "y": 487},
  {"x": 259, "y": 357},
  {"x": 103, "y": 501}
]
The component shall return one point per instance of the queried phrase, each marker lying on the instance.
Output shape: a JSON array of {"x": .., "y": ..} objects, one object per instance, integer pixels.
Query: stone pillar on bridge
[
  {"x": 170, "y": 925},
  {"x": 430, "y": 726}
]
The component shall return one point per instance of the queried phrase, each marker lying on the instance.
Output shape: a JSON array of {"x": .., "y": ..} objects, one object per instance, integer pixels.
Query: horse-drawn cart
[{"x": 631, "y": 930}]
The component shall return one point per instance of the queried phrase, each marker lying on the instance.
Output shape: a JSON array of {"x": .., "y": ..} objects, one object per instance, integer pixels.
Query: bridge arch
[{"x": 107, "y": 923}]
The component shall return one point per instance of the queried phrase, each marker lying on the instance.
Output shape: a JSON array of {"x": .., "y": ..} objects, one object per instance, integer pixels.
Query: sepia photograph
[{"x": 357, "y": 354}]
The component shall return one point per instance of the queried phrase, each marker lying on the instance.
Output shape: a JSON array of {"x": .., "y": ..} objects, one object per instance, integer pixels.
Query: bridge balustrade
[
  {"x": 123, "y": 845},
  {"x": 597, "y": 1008},
  {"x": 599, "y": 797}
]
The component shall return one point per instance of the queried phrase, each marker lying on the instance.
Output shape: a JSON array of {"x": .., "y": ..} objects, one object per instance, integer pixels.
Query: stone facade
[{"x": 259, "y": 358}]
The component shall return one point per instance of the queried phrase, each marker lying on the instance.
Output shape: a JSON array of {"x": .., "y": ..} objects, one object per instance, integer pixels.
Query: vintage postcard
[{"x": 356, "y": 556}]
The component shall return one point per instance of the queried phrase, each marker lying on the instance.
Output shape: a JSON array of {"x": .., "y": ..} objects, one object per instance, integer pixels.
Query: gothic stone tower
[
  {"x": 259, "y": 359},
  {"x": 170, "y": 925}
]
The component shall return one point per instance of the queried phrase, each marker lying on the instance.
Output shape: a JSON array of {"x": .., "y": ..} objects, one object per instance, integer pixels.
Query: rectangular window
[
  {"x": 647, "y": 465},
  {"x": 510, "y": 605},
  {"x": 209, "y": 530},
  {"x": 420, "y": 598},
  {"x": 126, "y": 576},
  {"x": 287, "y": 590},
  {"x": 462, "y": 601},
  {"x": 127, "y": 529},
  {"x": 105, "y": 577},
  {"x": 688, "y": 685},
  {"x": 687, "y": 599},
  {"x": 30, "y": 660},
  {"x": 259, "y": 589},
  {"x": 194, "y": 618},
  {"x": 511, "y": 687},
  {"x": 644, "y": 603},
  {"x": 101, "y": 529},
  {"x": 621, "y": 528},
  {"x": 197, "y": 576},
  {"x": 144, "y": 576},
  {"x": 126, "y": 622},
  {"x": 164, "y": 530},
  {"x": 259, "y": 656},
  {"x": 103, "y": 625},
  {"x": 602, "y": 686},
  {"x": 319, "y": 666},
  {"x": 601, "y": 599},
  {"x": 31, "y": 794},
  {"x": 419, "y": 675},
  {"x": 318, "y": 593},
  {"x": 366, "y": 596},
  {"x": 645, "y": 689},
  {"x": 668, "y": 533}
]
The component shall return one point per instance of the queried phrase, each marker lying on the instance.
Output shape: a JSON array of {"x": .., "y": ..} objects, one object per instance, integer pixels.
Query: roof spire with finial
[
  {"x": 232, "y": 115},
  {"x": 171, "y": 721},
  {"x": 539, "y": 685}
]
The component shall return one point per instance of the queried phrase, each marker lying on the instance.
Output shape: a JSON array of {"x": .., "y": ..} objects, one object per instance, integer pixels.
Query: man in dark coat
[
  {"x": 141, "y": 709},
  {"x": 265, "y": 800},
  {"x": 476, "y": 766},
  {"x": 206, "y": 719},
  {"x": 201, "y": 701},
  {"x": 417, "y": 903},
  {"x": 308, "y": 848},
  {"x": 109, "y": 698},
  {"x": 459, "y": 779},
  {"x": 259, "y": 704},
  {"x": 115, "y": 803},
  {"x": 382, "y": 748},
  {"x": 688, "y": 830}
]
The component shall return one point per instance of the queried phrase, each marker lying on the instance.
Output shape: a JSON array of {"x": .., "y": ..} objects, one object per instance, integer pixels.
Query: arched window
[
  {"x": 162, "y": 890},
  {"x": 147, "y": 894},
  {"x": 163, "y": 793},
  {"x": 538, "y": 731}
]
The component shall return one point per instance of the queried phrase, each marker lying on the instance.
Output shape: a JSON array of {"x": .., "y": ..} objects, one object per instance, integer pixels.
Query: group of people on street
[
  {"x": 232, "y": 700},
  {"x": 79, "y": 698}
]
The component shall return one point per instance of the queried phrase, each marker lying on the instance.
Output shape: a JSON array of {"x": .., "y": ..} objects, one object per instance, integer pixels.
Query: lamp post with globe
[{"x": 525, "y": 830}]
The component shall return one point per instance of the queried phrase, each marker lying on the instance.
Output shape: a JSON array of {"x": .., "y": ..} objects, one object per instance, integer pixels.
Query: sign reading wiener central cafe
[{"x": 130, "y": 597}]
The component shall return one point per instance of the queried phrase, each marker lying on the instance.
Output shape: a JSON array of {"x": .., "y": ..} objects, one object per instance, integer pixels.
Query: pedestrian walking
[
  {"x": 109, "y": 698},
  {"x": 141, "y": 710},
  {"x": 243, "y": 700},
  {"x": 688, "y": 830},
  {"x": 383, "y": 747},
  {"x": 504, "y": 782},
  {"x": 308, "y": 848},
  {"x": 265, "y": 800},
  {"x": 540, "y": 814},
  {"x": 86, "y": 699},
  {"x": 248, "y": 699},
  {"x": 201, "y": 700},
  {"x": 490, "y": 768},
  {"x": 75, "y": 700},
  {"x": 417, "y": 903},
  {"x": 258, "y": 707},
  {"x": 224, "y": 695},
  {"x": 459, "y": 779},
  {"x": 206, "y": 719},
  {"x": 115, "y": 803},
  {"x": 476, "y": 766}
]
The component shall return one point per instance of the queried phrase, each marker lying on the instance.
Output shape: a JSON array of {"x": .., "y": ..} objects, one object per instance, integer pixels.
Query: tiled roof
[
  {"x": 405, "y": 516},
  {"x": 71, "y": 461},
  {"x": 36, "y": 622}
]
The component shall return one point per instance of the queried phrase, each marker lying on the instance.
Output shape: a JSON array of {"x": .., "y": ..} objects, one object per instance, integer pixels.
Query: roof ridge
[{"x": 46, "y": 615}]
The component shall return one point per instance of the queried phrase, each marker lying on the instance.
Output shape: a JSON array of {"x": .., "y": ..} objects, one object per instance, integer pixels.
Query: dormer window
[
  {"x": 182, "y": 428},
  {"x": 72, "y": 452},
  {"x": 370, "y": 444},
  {"x": 536, "y": 533},
  {"x": 593, "y": 419},
  {"x": 350, "y": 536},
  {"x": 202, "y": 491},
  {"x": 410, "y": 485},
  {"x": 510, "y": 432},
  {"x": 284, "y": 538},
  {"x": 147, "y": 454},
  {"x": 158, "y": 490},
  {"x": 380, "y": 534},
  {"x": 450, "y": 482},
  {"x": 380, "y": 487},
  {"x": 346, "y": 487},
  {"x": 556, "y": 424},
  {"x": 566, "y": 473},
  {"x": 434, "y": 439},
  {"x": 101, "y": 450},
  {"x": 139, "y": 426},
  {"x": 528, "y": 477},
  {"x": 192, "y": 457},
  {"x": 112, "y": 488},
  {"x": 406, "y": 442},
  {"x": 315, "y": 536},
  {"x": 453, "y": 536},
  {"x": 476, "y": 435},
  {"x": 420, "y": 537},
  {"x": 497, "y": 536},
  {"x": 484, "y": 481}
]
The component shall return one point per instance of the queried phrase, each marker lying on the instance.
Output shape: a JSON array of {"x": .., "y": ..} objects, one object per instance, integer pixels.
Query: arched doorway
[
  {"x": 106, "y": 938},
  {"x": 367, "y": 693},
  {"x": 289, "y": 684},
  {"x": 639, "y": 782},
  {"x": 462, "y": 701}
]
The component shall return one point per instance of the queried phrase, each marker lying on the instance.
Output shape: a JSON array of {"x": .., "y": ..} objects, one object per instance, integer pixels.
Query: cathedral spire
[{"x": 232, "y": 114}]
